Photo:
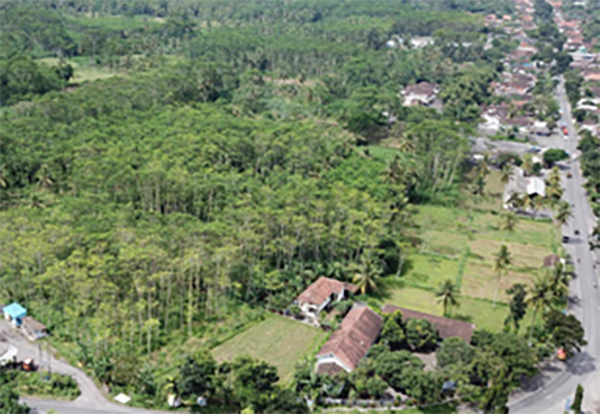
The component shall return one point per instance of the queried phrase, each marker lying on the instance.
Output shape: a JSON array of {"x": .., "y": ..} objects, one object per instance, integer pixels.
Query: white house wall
[{"x": 331, "y": 358}]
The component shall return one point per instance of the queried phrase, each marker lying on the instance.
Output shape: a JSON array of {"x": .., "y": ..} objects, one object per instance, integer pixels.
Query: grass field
[
  {"x": 473, "y": 310},
  {"x": 460, "y": 244},
  {"x": 277, "y": 340},
  {"x": 83, "y": 72}
]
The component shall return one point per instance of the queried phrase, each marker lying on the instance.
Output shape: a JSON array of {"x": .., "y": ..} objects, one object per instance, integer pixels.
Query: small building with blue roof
[{"x": 14, "y": 313}]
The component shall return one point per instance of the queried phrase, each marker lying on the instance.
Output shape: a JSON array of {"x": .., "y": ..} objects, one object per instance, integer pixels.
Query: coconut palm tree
[
  {"x": 554, "y": 177},
  {"x": 405, "y": 143},
  {"x": 501, "y": 263},
  {"x": 483, "y": 168},
  {"x": 526, "y": 202},
  {"x": 394, "y": 172},
  {"x": 563, "y": 213},
  {"x": 539, "y": 298},
  {"x": 508, "y": 222},
  {"x": 553, "y": 192},
  {"x": 527, "y": 165},
  {"x": 479, "y": 185},
  {"x": 514, "y": 201},
  {"x": 506, "y": 173},
  {"x": 559, "y": 281},
  {"x": 448, "y": 294},
  {"x": 367, "y": 276},
  {"x": 537, "y": 204}
]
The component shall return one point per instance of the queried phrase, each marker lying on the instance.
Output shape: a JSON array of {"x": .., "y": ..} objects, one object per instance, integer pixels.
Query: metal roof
[{"x": 14, "y": 310}]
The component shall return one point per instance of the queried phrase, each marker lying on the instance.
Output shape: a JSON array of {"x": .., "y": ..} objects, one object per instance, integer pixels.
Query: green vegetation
[
  {"x": 175, "y": 174},
  {"x": 43, "y": 385},
  {"x": 9, "y": 397},
  {"x": 590, "y": 164},
  {"x": 294, "y": 341}
]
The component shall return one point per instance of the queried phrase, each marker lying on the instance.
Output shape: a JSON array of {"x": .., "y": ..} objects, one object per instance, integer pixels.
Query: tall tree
[
  {"x": 506, "y": 174},
  {"x": 517, "y": 306},
  {"x": 448, "y": 294},
  {"x": 559, "y": 281},
  {"x": 563, "y": 213},
  {"x": 367, "y": 276},
  {"x": 501, "y": 263},
  {"x": 508, "y": 222},
  {"x": 565, "y": 331},
  {"x": 539, "y": 298},
  {"x": 577, "y": 401}
]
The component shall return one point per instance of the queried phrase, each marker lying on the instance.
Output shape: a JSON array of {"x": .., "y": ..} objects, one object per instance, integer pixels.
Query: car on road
[
  {"x": 534, "y": 149},
  {"x": 577, "y": 232}
]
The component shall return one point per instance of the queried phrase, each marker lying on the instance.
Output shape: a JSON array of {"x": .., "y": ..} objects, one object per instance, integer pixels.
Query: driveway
[{"x": 91, "y": 400}]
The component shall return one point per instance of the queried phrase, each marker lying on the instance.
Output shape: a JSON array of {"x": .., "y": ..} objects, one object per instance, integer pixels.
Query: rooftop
[
  {"x": 323, "y": 288},
  {"x": 422, "y": 88},
  {"x": 351, "y": 342},
  {"x": 32, "y": 325},
  {"x": 14, "y": 310},
  {"x": 446, "y": 327},
  {"x": 551, "y": 260}
]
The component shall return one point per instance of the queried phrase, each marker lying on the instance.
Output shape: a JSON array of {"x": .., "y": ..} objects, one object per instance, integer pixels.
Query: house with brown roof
[
  {"x": 348, "y": 345},
  {"x": 445, "y": 327},
  {"x": 552, "y": 260},
  {"x": 423, "y": 93},
  {"x": 321, "y": 293},
  {"x": 33, "y": 329},
  {"x": 591, "y": 75}
]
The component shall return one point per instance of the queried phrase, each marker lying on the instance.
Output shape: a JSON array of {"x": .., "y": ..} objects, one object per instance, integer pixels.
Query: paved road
[
  {"x": 584, "y": 368},
  {"x": 90, "y": 401}
]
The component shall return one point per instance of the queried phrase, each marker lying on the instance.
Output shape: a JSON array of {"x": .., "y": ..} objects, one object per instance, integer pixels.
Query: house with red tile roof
[
  {"x": 445, "y": 327},
  {"x": 348, "y": 345},
  {"x": 321, "y": 293},
  {"x": 423, "y": 93}
]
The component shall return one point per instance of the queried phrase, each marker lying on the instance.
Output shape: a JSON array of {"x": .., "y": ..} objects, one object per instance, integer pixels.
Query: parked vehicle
[
  {"x": 565, "y": 239},
  {"x": 565, "y": 130}
]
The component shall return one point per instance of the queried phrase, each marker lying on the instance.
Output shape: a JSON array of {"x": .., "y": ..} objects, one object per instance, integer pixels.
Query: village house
[
  {"x": 521, "y": 122},
  {"x": 423, "y": 93},
  {"x": 33, "y": 329},
  {"x": 321, "y": 293},
  {"x": 14, "y": 313},
  {"x": 591, "y": 75},
  {"x": 589, "y": 125},
  {"x": 520, "y": 100},
  {"x": 552, "y": 260},
  {"x": 526, "y": 45},
  {"x": 348, "y": 345},
  {"x": 445, "y": 327},
  {"x": 540, "y": 128},
  {"x": 494, "y": 116},
  {"x": 520, "y": 184}
]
